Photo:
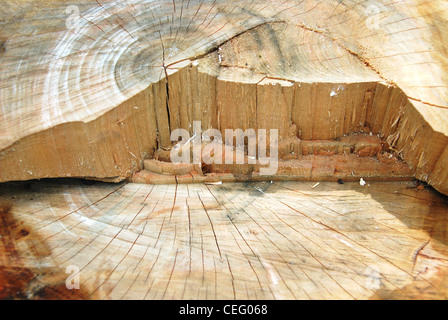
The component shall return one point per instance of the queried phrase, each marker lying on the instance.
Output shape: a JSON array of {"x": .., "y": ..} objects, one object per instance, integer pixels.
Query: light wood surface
[
  {"x": 283, "y": 240},
  {"x": 97, "y": 100},
  {"x": 96, "y": 95}
]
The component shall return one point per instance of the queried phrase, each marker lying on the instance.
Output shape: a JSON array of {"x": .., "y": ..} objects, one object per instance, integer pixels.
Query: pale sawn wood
[{"x": 283, "y": 240}]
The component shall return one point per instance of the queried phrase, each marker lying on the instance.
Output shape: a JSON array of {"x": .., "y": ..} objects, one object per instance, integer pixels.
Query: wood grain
[
  {"x": 281, "y": 240},
  {"x": 96, "y": 94}
]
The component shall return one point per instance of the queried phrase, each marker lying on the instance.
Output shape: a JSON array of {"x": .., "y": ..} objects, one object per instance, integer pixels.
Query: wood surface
[
  {"x": 285, "y": 240},
  {"x": 93, "y": 95}
]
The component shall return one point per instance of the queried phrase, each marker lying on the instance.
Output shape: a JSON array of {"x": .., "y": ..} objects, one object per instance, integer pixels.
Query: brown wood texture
[
  {"x": 348, "y": 159},
  {"x": 93, "y": 95},
  {"x": 284, "y": 240},
  {"x": 96, "y": 95}
]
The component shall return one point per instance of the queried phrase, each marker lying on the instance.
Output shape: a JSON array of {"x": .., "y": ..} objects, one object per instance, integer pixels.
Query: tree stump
[{"x": 94, "y": 89}]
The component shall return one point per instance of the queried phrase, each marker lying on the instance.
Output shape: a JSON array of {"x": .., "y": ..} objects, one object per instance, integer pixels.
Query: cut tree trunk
[
  {"x": 94, "y": 94},
  {"x": 94, "y": 89},
  {"x": 281, "y": 240}
]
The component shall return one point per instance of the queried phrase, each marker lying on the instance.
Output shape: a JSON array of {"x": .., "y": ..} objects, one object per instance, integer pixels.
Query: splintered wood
[
  {"x": 97, "y": 96},
  {"x": 232, "y": 241},
  {"x": 349, "y": 158}
]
